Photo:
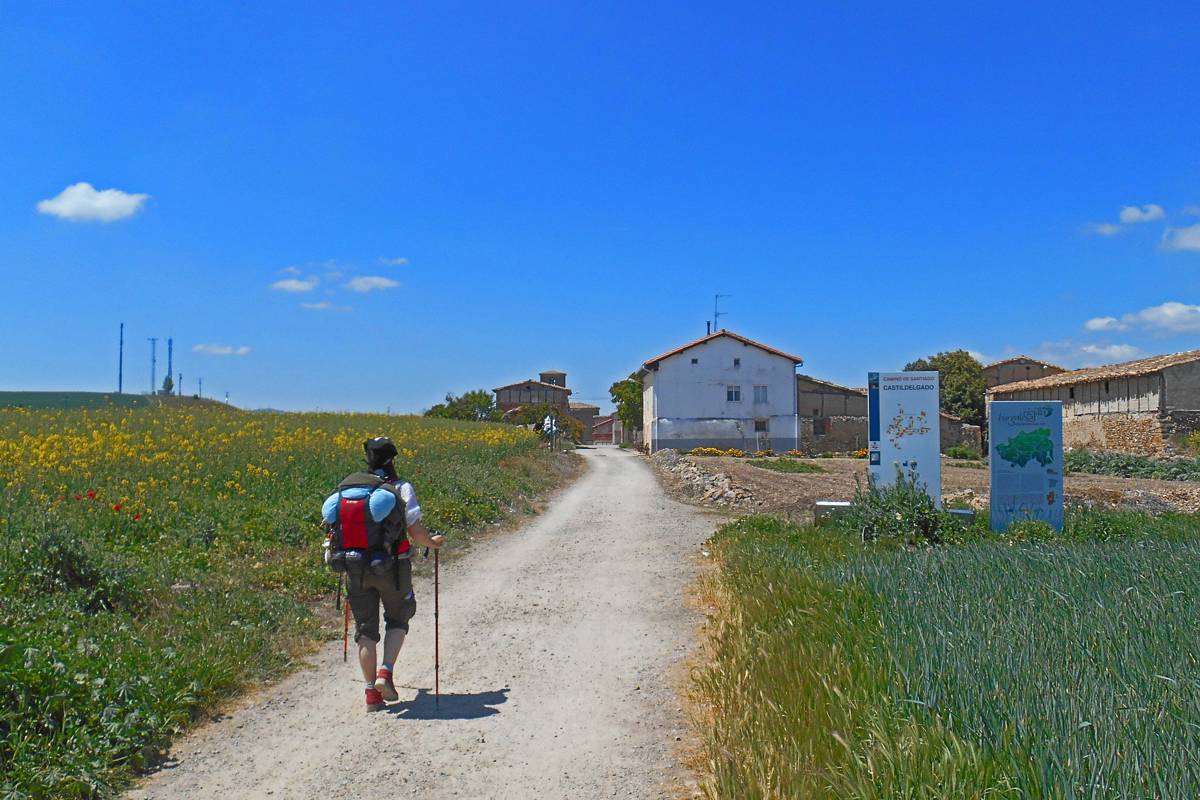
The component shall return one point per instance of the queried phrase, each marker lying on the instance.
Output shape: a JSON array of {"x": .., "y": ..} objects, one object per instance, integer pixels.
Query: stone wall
[
  {"x": 1176, "y": 425},
  {"x": 1141, "y": 434},
  {"x": 956, "y": 432},
  {"x": 846, "y": 434}
]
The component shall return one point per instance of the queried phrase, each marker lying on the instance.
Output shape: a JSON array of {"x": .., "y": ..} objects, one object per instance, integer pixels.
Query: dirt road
[{"x": 559, "y": 643}]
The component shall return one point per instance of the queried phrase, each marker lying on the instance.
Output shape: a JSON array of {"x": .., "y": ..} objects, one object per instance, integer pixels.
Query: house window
[
  {"x": 760, "y": 394},
  {"x": 695, "y": 361},
  {"x": 816, "y": 412},
  {"x": 1072, "y": 393},
  {"x": 737, "y": 362},
  {"x": 733, "y": 394},
  {"x": 1106, "y": 387},
  {"x": 760, "y": 426}
]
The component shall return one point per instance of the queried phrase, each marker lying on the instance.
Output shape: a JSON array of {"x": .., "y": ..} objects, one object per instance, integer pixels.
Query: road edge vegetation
[{"x": 833, "y": 667}]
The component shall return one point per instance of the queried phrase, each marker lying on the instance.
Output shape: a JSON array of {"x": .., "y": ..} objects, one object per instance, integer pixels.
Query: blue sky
[{"x": 559, "y": 185}]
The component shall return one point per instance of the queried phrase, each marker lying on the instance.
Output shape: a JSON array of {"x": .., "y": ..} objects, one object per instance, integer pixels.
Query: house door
[{"x": 762, "y": 434}]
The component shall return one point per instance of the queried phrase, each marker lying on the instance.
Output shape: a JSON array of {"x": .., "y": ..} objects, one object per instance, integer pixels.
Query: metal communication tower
[
  {"x": 170, "y": 356},
  {"x": 153, "y": 361},
  {"x": 121, "y": 360}
]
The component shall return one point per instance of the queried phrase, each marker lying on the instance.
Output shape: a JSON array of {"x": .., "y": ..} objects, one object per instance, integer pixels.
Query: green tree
[
  {"x": 478, "y": 405},
  {"x": 627, "y": 397},
  {"x": 168, "y": 385},
  {"x": 961, "y": 381}
]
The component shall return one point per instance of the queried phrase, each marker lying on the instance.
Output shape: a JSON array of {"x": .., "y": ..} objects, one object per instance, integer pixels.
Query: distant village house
[{"x": 1017, "y": 368}]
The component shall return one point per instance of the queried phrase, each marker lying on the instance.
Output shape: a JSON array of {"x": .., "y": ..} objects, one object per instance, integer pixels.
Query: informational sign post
[
  {"x": 1027, "y": 462},
  {"x": 905, "y": 429}
]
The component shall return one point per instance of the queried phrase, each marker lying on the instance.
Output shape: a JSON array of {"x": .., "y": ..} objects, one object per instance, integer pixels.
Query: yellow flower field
[{"x": 154, "y": 560}]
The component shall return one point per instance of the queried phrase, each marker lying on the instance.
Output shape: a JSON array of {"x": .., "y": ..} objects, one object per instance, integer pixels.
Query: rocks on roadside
[{"x": 716, "y": 488}]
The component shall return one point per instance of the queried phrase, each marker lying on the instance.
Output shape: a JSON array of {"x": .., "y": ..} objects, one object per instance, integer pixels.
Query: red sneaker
[
  {"x": 384, "y": 685},
  {"x": 374, "y": 700}
]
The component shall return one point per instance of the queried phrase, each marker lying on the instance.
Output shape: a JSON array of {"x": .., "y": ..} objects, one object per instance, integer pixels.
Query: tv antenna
[{"x": 717, "y": 313}]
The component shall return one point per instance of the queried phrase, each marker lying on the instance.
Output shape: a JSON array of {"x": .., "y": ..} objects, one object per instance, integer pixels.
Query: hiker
[{"x": 372, "y": 517}]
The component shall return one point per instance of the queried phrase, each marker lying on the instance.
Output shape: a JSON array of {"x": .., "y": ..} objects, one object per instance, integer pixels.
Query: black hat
[{"x": 380, "y": 451}]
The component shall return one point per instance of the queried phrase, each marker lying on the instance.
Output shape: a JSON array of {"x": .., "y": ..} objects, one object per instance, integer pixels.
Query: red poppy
[
  {"x": 91, "y": 494},
  {"x": 78, "y": 497},
  {"x": 136, "y": 517},
  {"x": 60, "y": 498},
  {"x": 117, "y": 507}
]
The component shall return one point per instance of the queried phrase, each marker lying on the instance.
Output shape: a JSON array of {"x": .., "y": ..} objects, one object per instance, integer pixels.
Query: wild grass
[
  {"x": 1033, "y": 665},
  {"x": 788, "y": 465},
  {"x": 1125, "y": 465},
  {"x": 154, "y": 561}
]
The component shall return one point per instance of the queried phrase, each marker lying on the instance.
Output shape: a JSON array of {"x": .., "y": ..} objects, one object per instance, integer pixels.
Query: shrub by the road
[
  {"x": 1029, "y": 665},
  {"x": 153, "y": 561}
]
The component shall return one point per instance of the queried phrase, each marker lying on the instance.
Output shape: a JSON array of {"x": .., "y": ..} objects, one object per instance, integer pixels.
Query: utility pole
[
  {"x": 121, "y": 360},
  {"x": 170, "y": 356},
  {"x": 200, "y": 387},
  {"x": 153, "y": 362},
  {"x": 179, "y": 385},
  {"x": 717, "y": 314}
]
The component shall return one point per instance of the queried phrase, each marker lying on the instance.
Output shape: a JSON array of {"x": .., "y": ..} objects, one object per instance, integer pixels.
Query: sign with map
[
  {"x": 1027, "y": 462},
  {"x": 905, "y": 429}
]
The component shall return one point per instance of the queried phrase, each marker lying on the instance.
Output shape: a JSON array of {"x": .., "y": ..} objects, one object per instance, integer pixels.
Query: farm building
[
  {"x": 833, "y": 419},
  {"x": 586, "y": 414},
  {"x": 610, "y": 430},
  {"x": 550, "y": 388},
  {"x": 723, "y": 390},
  {"x": 1142, "y": 406},
  {"x": 1017, "y": 368}
]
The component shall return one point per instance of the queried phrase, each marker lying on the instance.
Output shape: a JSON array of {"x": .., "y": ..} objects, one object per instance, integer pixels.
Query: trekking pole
[
  {"x": 345, "y": 627},
  {"x": 437, "y": 644}
]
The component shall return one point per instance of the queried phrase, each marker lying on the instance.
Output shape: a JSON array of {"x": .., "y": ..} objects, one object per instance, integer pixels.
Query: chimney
[{"x": 707, "y": 328}]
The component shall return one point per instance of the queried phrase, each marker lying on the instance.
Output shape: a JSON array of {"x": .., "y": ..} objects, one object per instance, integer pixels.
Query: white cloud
[
  {"x": 1104, "y": 228},
  {"x": 367, "y": 283},
  {"x": 1192, "y": 211},
  {"x": 81, "y": 202},
  {"x": 1110, "y": 352},
  {"x": 394, "y": 262},
  {"x": 295, "y": 285},
  {"x": 1169, "y": 318},
  {"x": 1146, "y": 213},
  {"x": 220, "y": 350},
  {"x": 324, "y": 305},
  {"x": 1105, "y": 324},
  {"x": 1182, "y": 238},
  {"x": 290, "y": 271}
]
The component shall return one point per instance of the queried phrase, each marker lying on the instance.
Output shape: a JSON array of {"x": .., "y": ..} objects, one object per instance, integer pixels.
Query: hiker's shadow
[{"x": 450, "y": 706}]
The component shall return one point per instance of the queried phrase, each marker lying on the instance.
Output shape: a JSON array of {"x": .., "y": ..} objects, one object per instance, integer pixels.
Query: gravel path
[{"x": 559, "y": 643}]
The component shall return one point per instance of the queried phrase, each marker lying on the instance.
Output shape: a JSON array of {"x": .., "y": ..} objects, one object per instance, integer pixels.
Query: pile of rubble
[{"x": 708, "y": 487}]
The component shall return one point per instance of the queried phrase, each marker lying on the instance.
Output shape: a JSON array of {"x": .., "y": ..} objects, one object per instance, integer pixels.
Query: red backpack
[{"x": 356, "y": 542}]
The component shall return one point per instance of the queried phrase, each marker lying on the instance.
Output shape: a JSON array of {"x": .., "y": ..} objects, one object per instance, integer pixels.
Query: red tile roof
[
  {"x": 1127, "y": 369},
  {"x": 533, "y": 383},
  {"x": 1015, "y": 359},
  {"x": 750, "y": 342}
]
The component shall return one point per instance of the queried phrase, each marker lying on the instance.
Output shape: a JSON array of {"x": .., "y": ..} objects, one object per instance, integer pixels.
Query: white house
[{"x": 721, "y": 391}]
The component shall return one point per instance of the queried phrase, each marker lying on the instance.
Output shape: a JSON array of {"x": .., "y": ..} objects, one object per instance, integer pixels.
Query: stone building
[
  {"x": 1017, "y": 368},
  {"x": 586, "y": 413},
  {"x": 1143, "y": 407},
  {"x": 550, "y": 388}
]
